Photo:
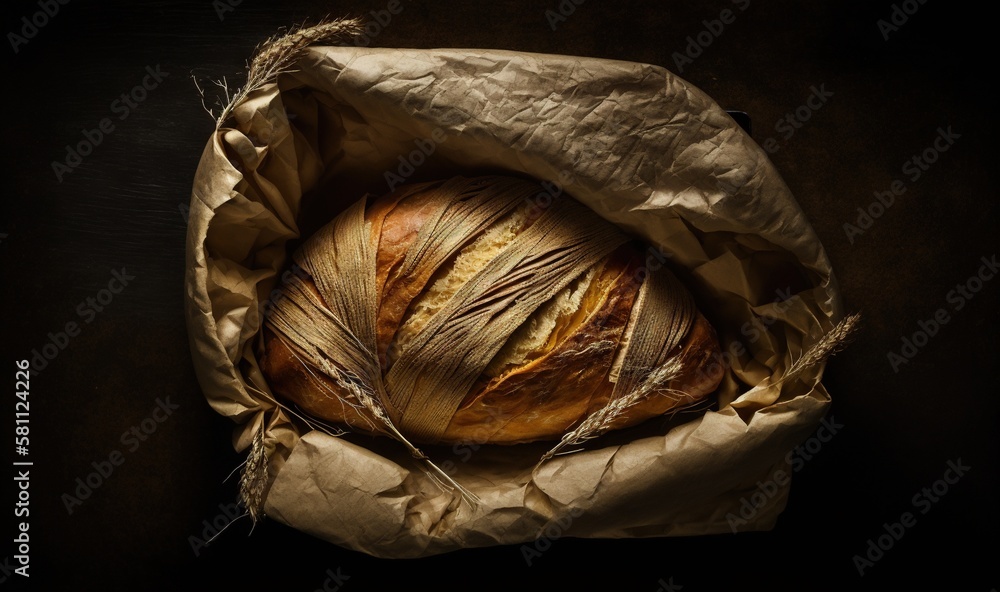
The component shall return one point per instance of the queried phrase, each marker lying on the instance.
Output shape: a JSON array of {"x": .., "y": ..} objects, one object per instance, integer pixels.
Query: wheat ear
[
  {"x": 375, "y": 408},
  {"x": 253, "y": 479},
  {"x": 598, "y": 422},
  {"x": 835, "y": 340},
  {"x": 277, "y": 54}
]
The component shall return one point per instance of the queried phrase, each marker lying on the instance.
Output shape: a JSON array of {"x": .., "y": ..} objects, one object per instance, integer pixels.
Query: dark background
[{"x": 60, "y": 241}]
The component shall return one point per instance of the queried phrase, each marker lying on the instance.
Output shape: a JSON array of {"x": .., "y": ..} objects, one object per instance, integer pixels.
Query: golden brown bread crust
[
  {"x": 398, "y": 231},
  {"x": 542, "y": 398}
]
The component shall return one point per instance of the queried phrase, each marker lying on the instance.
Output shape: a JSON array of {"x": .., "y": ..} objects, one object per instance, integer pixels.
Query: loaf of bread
[{"x": 483, "y": 310}]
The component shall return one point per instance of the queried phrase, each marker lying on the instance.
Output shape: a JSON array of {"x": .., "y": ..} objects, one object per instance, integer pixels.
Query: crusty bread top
[{"x": 554, "y": 369}]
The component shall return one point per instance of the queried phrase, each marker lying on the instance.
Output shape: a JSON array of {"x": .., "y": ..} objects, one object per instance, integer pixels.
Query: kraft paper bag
[{"x": 637, "y": 144}]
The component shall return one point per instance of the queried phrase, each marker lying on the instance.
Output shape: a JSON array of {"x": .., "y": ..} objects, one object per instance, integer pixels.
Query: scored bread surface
[{"x": 554, "y": 369}]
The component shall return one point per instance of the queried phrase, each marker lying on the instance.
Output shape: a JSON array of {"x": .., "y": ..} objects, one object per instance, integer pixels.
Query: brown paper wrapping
[{"x": 637, "y": 144}]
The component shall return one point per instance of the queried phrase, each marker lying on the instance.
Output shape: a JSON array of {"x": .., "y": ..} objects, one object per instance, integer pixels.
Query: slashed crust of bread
[{"x": 553, "y": 371}]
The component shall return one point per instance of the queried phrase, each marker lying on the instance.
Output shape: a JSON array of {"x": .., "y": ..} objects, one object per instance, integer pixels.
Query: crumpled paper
[{"x": 637, "y": 144}]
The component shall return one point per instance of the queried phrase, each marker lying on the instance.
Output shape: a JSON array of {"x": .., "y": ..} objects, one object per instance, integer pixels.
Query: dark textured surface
[{"x": 60, "y": 241}]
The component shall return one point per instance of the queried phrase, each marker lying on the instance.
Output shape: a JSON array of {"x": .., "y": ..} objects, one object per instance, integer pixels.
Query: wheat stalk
[
  {"x": 369, "y": 402},
  {"x": 277, "y": 54},
  {"x": 831, "y": 343},
  {"x": 362, "y": 393},
  {"x": 311, "y": 422},
  {"x": 834, "y": 341},
  {"x": 600, "y": 421}
]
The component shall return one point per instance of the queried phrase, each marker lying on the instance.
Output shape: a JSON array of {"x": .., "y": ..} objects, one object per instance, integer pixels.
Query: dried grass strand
[
  {"x": 277, "y": 55},
  {"x": 311, "y": 422}
]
